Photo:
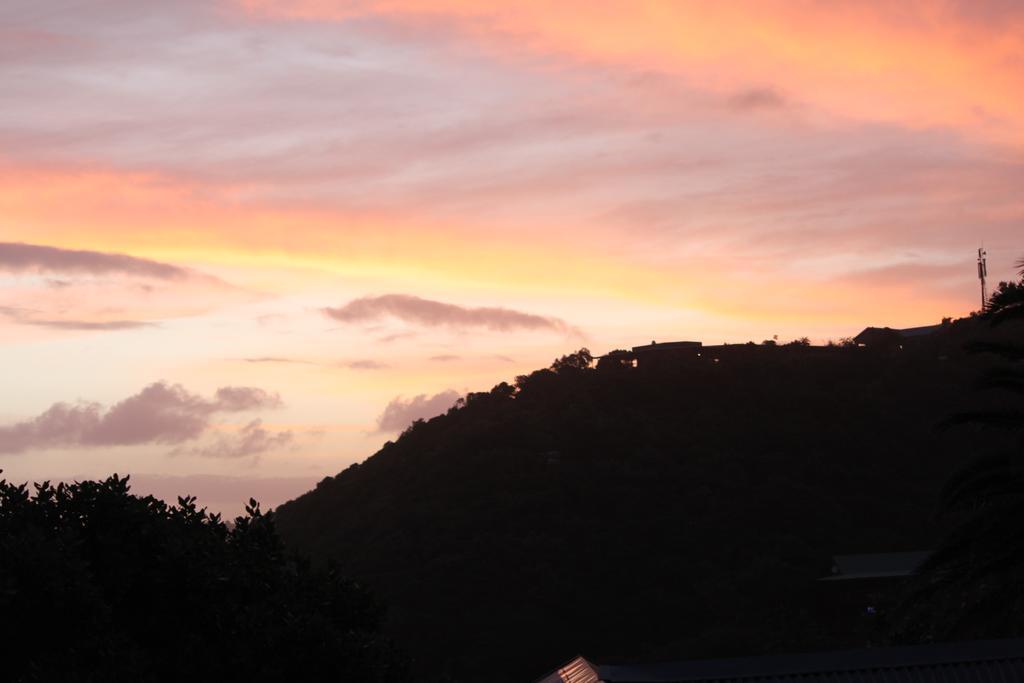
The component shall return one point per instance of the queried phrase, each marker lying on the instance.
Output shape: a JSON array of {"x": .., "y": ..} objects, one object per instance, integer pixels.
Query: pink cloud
[
  {"x": 20, "y": 257},
  {"x": 400, "y": 412},
  {"x": 24, "y": 316},
  {"x": 251, "y": 440},
  {"x": 364, "y": 364},
  {"x": 159, "y": 414},
  {"x": 100, "y": 291},
  {"x": 442, "y": 132},
  {"x": 416, "y": 310}
]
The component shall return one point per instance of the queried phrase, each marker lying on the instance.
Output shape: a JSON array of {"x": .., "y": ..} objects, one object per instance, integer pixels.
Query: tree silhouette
[
  {"x": 578, "y": 361},
  {"x": 1007, "y": 301},
  {"x": 97, "y": 584},
  {"x": 973, "y": 584}
]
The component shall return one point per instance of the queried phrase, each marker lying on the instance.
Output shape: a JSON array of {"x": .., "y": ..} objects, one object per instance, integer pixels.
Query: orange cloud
[
  {"x": 937, "y": 64},
  {"x": 174, "y": 222},
  {"x": 161, "y": 219}
]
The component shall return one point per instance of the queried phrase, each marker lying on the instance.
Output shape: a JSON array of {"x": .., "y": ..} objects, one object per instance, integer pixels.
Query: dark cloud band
[
  {"x": 19, "y": 257},
  {"x": 24, "y": 316},
  {"x": 413, "y": 309}
]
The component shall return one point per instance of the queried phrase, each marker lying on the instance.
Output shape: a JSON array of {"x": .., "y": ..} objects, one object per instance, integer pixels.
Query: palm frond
[
  {"x": 984, "y": 543},
  {"x": 1007, "y": 351},
  {"x": 993, "y": 490},
  {"x": 1007, "y": 314},
  {"x": 988, "y": 480},
  {"x": 1005, "y": 419}
]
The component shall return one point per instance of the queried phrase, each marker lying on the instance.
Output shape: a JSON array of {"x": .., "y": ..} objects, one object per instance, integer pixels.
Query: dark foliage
[
  {"x": 1007, "y": 301},
  {"x": 97, "y": 584},
  {"x": 634, "y": 514},
  {"x": 973, "y": 585}
]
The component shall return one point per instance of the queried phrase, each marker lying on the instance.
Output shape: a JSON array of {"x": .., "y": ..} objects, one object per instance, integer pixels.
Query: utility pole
[{"x": 982, "y": 274}]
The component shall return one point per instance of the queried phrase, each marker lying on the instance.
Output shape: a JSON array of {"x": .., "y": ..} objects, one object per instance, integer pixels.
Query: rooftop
[
  {"x": 875, "y": 565},
  {"x": 980, "y": 661}
]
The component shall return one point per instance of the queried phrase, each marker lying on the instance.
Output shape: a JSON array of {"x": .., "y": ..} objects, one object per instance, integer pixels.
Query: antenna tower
[{"x": 982, "y": 274}]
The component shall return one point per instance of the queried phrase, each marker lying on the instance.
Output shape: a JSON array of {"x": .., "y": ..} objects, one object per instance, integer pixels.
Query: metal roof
[
  {"x": 578, "y": 670},
  {"x": 989, "y": 661},
  {"x": 875, "y": 565},
  {"x": 668, "y": 346}
]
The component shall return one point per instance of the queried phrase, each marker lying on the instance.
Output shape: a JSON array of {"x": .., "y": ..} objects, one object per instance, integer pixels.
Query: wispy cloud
[
  {"x": 89, "y": 324},
  {"x": 815, "y": 48},
  {"x": 356, "y": 364},
  {"x": 278, "y": 359},
  {"x": 159, "y": 414},
  {"x": 233, "y": 399},
  {"x": 251, "y": 440},
  {"x": 569, "y": 126},
  {"x": 364, "y": 364},
  {"x": 445, "y": 358},
  {"x": 402, "y": 412},
  {"x": 397, "y": 336},
  {"x": 20, "y": 257},
  {"x": 24, "y": 316},
  {"x": 912, "y": 274},
  {"x": 757, "y": 98},
  {"x": 82, "y": 290},
  {"x": 416, "y": 310}
]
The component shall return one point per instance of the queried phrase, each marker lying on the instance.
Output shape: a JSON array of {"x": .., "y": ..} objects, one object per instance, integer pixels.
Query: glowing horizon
[{"x": 211, "y": 177}]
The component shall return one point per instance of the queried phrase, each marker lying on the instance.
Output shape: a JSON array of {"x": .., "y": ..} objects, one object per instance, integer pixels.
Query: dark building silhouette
[
  {"x": 655, "y": 355},
  {"x": 889, "y": 338},
  {"x": 666, "y": 355}
]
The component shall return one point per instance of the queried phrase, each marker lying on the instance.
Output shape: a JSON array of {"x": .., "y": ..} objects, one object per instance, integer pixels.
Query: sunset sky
[{"x": 243, "y": 244}]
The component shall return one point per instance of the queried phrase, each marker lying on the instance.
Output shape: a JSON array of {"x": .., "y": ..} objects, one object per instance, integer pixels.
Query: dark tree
[
  {"x": 973, "y": 584},
  {"x": 1006, "y": 294},
  {"x": 578, "y": 361},
  {"x": 1007, "y": 301},
  {"x": 97, "y": 584}
]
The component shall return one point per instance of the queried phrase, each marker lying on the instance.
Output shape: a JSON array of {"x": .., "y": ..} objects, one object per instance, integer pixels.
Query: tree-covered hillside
[{"x": 629, "y": 514}]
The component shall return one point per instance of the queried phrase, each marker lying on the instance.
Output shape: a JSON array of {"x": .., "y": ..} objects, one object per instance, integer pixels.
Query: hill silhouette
[{"x": 631, "y": 514}]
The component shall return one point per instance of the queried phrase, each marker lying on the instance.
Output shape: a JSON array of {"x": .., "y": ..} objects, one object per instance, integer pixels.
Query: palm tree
[
  {"x": 973, "y": 584},
  {"x": 1007, "y": 301}
]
